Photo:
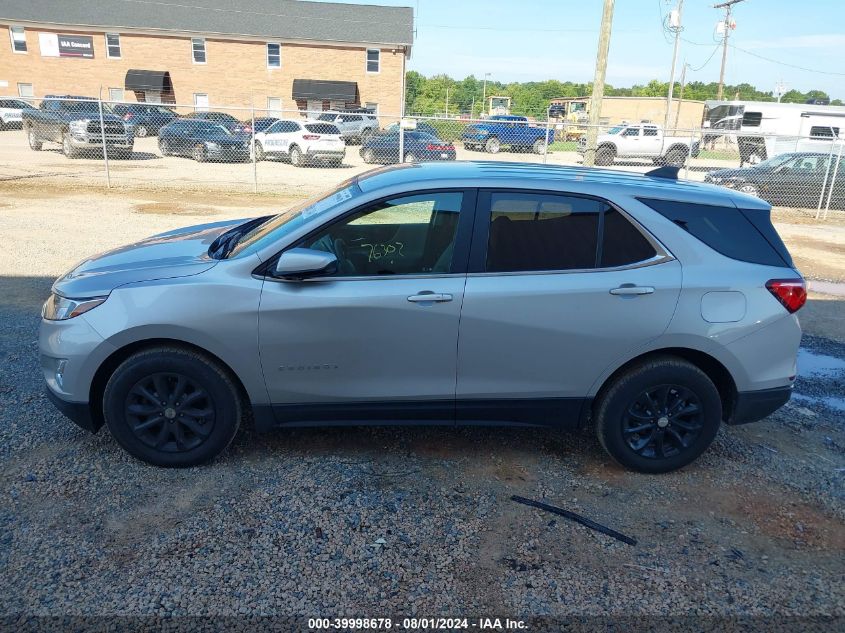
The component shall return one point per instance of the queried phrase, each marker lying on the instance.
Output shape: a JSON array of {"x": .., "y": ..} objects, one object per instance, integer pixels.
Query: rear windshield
[
  {"x": 743, "y": 234},
  {"x": 322, "y": 128}
]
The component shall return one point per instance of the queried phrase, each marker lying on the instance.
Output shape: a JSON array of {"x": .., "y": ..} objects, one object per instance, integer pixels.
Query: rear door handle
[
  {"x": 430, "y": 297},
  {"x": 631, "y": 289}
]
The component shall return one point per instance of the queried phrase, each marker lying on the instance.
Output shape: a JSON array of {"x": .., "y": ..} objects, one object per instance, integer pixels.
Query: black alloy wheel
[
  {"x": 169, "y": 412},
  {"x": 663, "y": 421}
]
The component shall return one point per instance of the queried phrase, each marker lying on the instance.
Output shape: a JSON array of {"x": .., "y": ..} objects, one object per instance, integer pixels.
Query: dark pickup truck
[{"x": 75, "y": 123}]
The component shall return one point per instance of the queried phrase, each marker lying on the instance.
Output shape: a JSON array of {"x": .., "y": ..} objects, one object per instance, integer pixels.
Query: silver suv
[
  {"x": 355, "y": 127},
  {"x": 464, "y": 293}
]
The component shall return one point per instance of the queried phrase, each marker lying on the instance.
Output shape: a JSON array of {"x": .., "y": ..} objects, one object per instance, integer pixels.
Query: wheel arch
[
  {"x": 711, "y": 366},
  {"x": 678, "y": 147},
  {"x": 113, "y": 361}
]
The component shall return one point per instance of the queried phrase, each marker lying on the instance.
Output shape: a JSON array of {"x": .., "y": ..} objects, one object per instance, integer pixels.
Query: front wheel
[
  {"x": 169, "y": 406},
  {"x": 198, "y": 154},
  {"x": 676, "y": 158},
  {"x": 164, "y": 147},
  {"x": 411, "y": 158},
  {"x": 259, "y": 151},
  {"x": 141, "y": 131},
  {"x": 750, "y": 189},
  {"x": 539, "y": 146},
  {"x": 34, "y": 143},
  {"x": 67, "y": 146},
  {"x": 605, "y": 156},
  {"x": 369, "y": 156},
  {"x": 492, "y": 146},
  {"x": 296, "y": 158},
  {"x": 658, "y": 416}
]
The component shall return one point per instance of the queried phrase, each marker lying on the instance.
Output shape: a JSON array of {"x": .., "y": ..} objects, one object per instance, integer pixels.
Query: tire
[
  {"x": 34, "y": 143},
  {"x": 605, "y": 156},
  {"x": 67, "y": 148},
  {"x": 141, "y": 131},
  {"x": 121, "y": 155},
  {"x": 165, "y": 435},
  {"x": 749, "y": 189},
  {"x": 410, "y": 157},
  {"x": 2, "y": 125},
  {"x": 369, "y": 156},
  {"x": 198, "y": 153},
  {"x": 669, "y": 382},
  {"x": 675, "y": 157},
  {"x": 492, "y": 145},
  {"x": 164, "y": 147},
  {"x": 539, "y": 146},
  {"x": 259, "y": 151},
  {"x": 334, "y": 162},
  {"x": 469, "y": 146},
  {"x": 296, "y": 158},
  {"x": 366, "y": 134}
]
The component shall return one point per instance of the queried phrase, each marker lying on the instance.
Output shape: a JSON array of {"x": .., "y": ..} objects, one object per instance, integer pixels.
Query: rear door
[
  {"x": 560, "y": 287},
  {"x": 651, "y": 142}
]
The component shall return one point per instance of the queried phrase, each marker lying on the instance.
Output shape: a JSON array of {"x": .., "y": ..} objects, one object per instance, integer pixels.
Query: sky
[{"x": 530, "y": 40}]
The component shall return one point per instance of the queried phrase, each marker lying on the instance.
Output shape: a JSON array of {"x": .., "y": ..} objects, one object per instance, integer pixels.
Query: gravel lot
[{"x": 393, "y": 521}]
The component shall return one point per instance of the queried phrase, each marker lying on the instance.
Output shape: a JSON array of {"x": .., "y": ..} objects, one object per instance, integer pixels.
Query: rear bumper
[
  {"x": 319, "y": 154},
  {"x": 78, "y": 412},
  {"x": 752, "y": 406}
]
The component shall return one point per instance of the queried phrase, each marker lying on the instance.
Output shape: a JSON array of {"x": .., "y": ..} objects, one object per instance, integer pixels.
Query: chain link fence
[{"x": 246, "y": 148}]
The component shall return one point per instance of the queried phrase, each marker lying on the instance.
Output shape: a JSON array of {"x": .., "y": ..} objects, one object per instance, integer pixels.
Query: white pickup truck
[{"x": 642, "y": 140}]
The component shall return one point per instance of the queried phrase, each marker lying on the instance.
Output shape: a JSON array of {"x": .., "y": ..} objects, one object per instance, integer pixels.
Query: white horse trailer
[{"x": 766, "y": 129}]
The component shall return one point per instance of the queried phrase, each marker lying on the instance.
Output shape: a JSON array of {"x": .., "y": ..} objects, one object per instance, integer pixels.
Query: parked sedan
[
  {"x": 301, "y": 143},
  {"x": 203, "y": 141},
  {"x": 417, "y": 146},
  {"x": 221, "y": 118},
  {"x": 148, "y": 118},
  {"x": 261, "y": 124},
  {"x": 796, "y": 179}
]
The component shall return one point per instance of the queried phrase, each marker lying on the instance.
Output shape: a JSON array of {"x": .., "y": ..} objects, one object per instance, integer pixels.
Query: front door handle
[
  {"x": 631, "y": 289},
  {"x": 429, "y": 297}
]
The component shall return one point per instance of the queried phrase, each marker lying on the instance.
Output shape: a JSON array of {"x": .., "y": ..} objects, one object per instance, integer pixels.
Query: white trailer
[{"x": 766, "y": 129}]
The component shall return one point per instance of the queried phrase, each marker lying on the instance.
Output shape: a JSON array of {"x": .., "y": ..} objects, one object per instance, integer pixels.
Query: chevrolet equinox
[{"x": 648, "y": 308}]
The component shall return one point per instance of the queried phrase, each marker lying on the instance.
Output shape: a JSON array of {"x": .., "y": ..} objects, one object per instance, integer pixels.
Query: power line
[
  {"x": 775, "y": 61},
  {"x": 695, "y": 70}
]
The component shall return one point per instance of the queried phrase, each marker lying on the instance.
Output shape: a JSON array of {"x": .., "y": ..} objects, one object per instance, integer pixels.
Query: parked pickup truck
[
  {"x": 75, "y": 123},
  {"x": 503, "y": 130},
  {"x": 641, "y": 140}
]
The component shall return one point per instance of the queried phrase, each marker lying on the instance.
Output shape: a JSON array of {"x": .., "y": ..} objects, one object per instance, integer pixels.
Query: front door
[
  {"x": 378, "y": 338},
  {"x": 548, "y": 307}
]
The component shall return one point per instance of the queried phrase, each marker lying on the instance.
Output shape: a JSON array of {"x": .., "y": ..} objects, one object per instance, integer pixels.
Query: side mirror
[{"x": 299, "y": 263}]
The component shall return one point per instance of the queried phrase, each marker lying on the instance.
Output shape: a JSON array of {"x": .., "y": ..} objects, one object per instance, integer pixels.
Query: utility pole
[
  {"x": 447, "y": 101},
  {"x": 727, "y": 6},
  {"x": 598, "y": 82},
  {"x": 677, "y": 28},
  {"x": 681, "y": 96},
  {"x": 484, "y": 94}
]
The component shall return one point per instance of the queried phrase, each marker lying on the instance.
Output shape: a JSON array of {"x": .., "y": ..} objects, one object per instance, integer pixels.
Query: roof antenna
[{"x": 669, "y": 172}]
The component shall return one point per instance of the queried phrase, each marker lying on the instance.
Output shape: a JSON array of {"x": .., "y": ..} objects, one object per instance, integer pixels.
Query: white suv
[
  {"x": 10, "y": 112},
  {"x": 302, "y": 143}
]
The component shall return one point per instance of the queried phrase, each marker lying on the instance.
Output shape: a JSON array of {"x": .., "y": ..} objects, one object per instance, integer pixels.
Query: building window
[
  {"x": 112, "y": 45},
  {"x": 115, "y": 94},
  {"x": 18, "y": 36},
  {"x": 824, "y": 131},
  {"x": 274, "y": 106},
  {"x": 200, "y": 102},
  {"x": 198, "y": 50},
  {"x": 274, "y": 55},
  {"x": 373, "y": 60},
  {"x": 152, "y": 96},
  {"x": 25, "y": 90},
  {"x": 372, "y": 107}
]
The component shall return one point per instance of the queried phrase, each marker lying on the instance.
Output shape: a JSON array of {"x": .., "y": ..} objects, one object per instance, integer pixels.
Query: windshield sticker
[{"x": 326, "y": 203}]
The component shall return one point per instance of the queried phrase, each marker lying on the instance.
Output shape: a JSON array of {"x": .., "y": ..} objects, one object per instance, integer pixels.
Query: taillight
[
  {"x": 792, "y": 293},
  {"x": 311, "y": 137},
  {"x": 438, "y": 148},
  {"x": 127, "y": 116}
]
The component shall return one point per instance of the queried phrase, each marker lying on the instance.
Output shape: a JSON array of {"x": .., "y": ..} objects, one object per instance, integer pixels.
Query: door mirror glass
[{"x": 299, "y": 263}]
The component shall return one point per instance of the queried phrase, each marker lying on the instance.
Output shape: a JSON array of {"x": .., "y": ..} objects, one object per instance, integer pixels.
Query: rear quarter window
[
  {"x": 743, "y": 234},
  {"x": 322, "y": 128}
]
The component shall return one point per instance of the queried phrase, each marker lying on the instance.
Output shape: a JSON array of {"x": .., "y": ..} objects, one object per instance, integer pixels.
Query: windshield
[
  {"x": 777, "y": 161},
  {"x": 218, "y": 130},
  {"x": 616, "y": 130},
  {"x": 290, "y": 220}
]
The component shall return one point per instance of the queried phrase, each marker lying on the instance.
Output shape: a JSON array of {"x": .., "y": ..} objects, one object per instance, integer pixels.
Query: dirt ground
[{"x": 285, "y": 523}]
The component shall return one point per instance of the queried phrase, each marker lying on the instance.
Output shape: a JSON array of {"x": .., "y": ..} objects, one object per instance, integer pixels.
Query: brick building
[{"x": 209, "y": 54}]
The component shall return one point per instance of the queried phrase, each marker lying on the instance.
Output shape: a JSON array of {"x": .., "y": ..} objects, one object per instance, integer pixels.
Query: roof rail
[{"x": 669, "y": 172}]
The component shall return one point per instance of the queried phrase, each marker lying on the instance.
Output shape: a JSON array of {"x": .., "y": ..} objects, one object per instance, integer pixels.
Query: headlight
[
  {"x": 484, "y": 132},
  {"x": 78, "y": 127},
  {"x": 212, "y": 146},
  {"x": 714, "y": 179},
  {"x": 58, "y": 308}
]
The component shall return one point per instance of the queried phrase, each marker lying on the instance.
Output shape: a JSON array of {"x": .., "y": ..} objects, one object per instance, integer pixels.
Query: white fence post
[
  {"x": 546, "y": 143},
  {"x": 252, "y": 148},
  {"x": 103, "y": 138},
  {"x": 401, "y": 140},
  {"x": 824, "y": 182},
  {"x": 833, "y": 180}
]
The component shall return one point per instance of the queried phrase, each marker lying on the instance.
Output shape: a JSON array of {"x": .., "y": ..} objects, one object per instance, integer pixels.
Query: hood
[
  {"x": 744, "y": 172},
  {"x": 178, "y": 253}
]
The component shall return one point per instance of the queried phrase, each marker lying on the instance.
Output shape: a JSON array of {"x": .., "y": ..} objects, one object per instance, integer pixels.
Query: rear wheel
[
  {"x": 172, "y": 407},
  {"x": 658, "y": 416},
  {"x": 259, "y": 151},
  {"x": 34, "y": 143},
  {"x": 369, "y": 156},
  {"x": 676, "y": 157},
  {"x": 164, "y": 147},
  {"x": 198, "y": 153},
  {"x": 296, "y": 158},
  {"x": 750, "y": 189},
  {"x": 492, "y": 146},
  {"x": 539, "y": 146},
  {"x": 334, "y": 162},
  {"x": 411, "y": 158}
]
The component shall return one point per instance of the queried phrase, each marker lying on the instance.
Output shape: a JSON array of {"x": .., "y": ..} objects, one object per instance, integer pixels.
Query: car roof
[{"x": 599, "y": 182}]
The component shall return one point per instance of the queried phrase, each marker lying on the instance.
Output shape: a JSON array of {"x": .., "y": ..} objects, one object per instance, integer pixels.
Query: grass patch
[{"x": 718, "y": 154}]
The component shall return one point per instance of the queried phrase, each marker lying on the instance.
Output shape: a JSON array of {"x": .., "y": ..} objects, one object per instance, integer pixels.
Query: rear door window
[
  {"x": 321, "y": 128},
  {"x": 542, "y": 231}
]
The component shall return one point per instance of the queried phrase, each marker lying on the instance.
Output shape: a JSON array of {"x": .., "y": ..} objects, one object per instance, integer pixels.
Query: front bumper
[
  {"x": 96, "y": 142},
  {"x": 752, "y": 406},
  {"x": 78, "y": 412},
  {"x": 228, "y": 154}
]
